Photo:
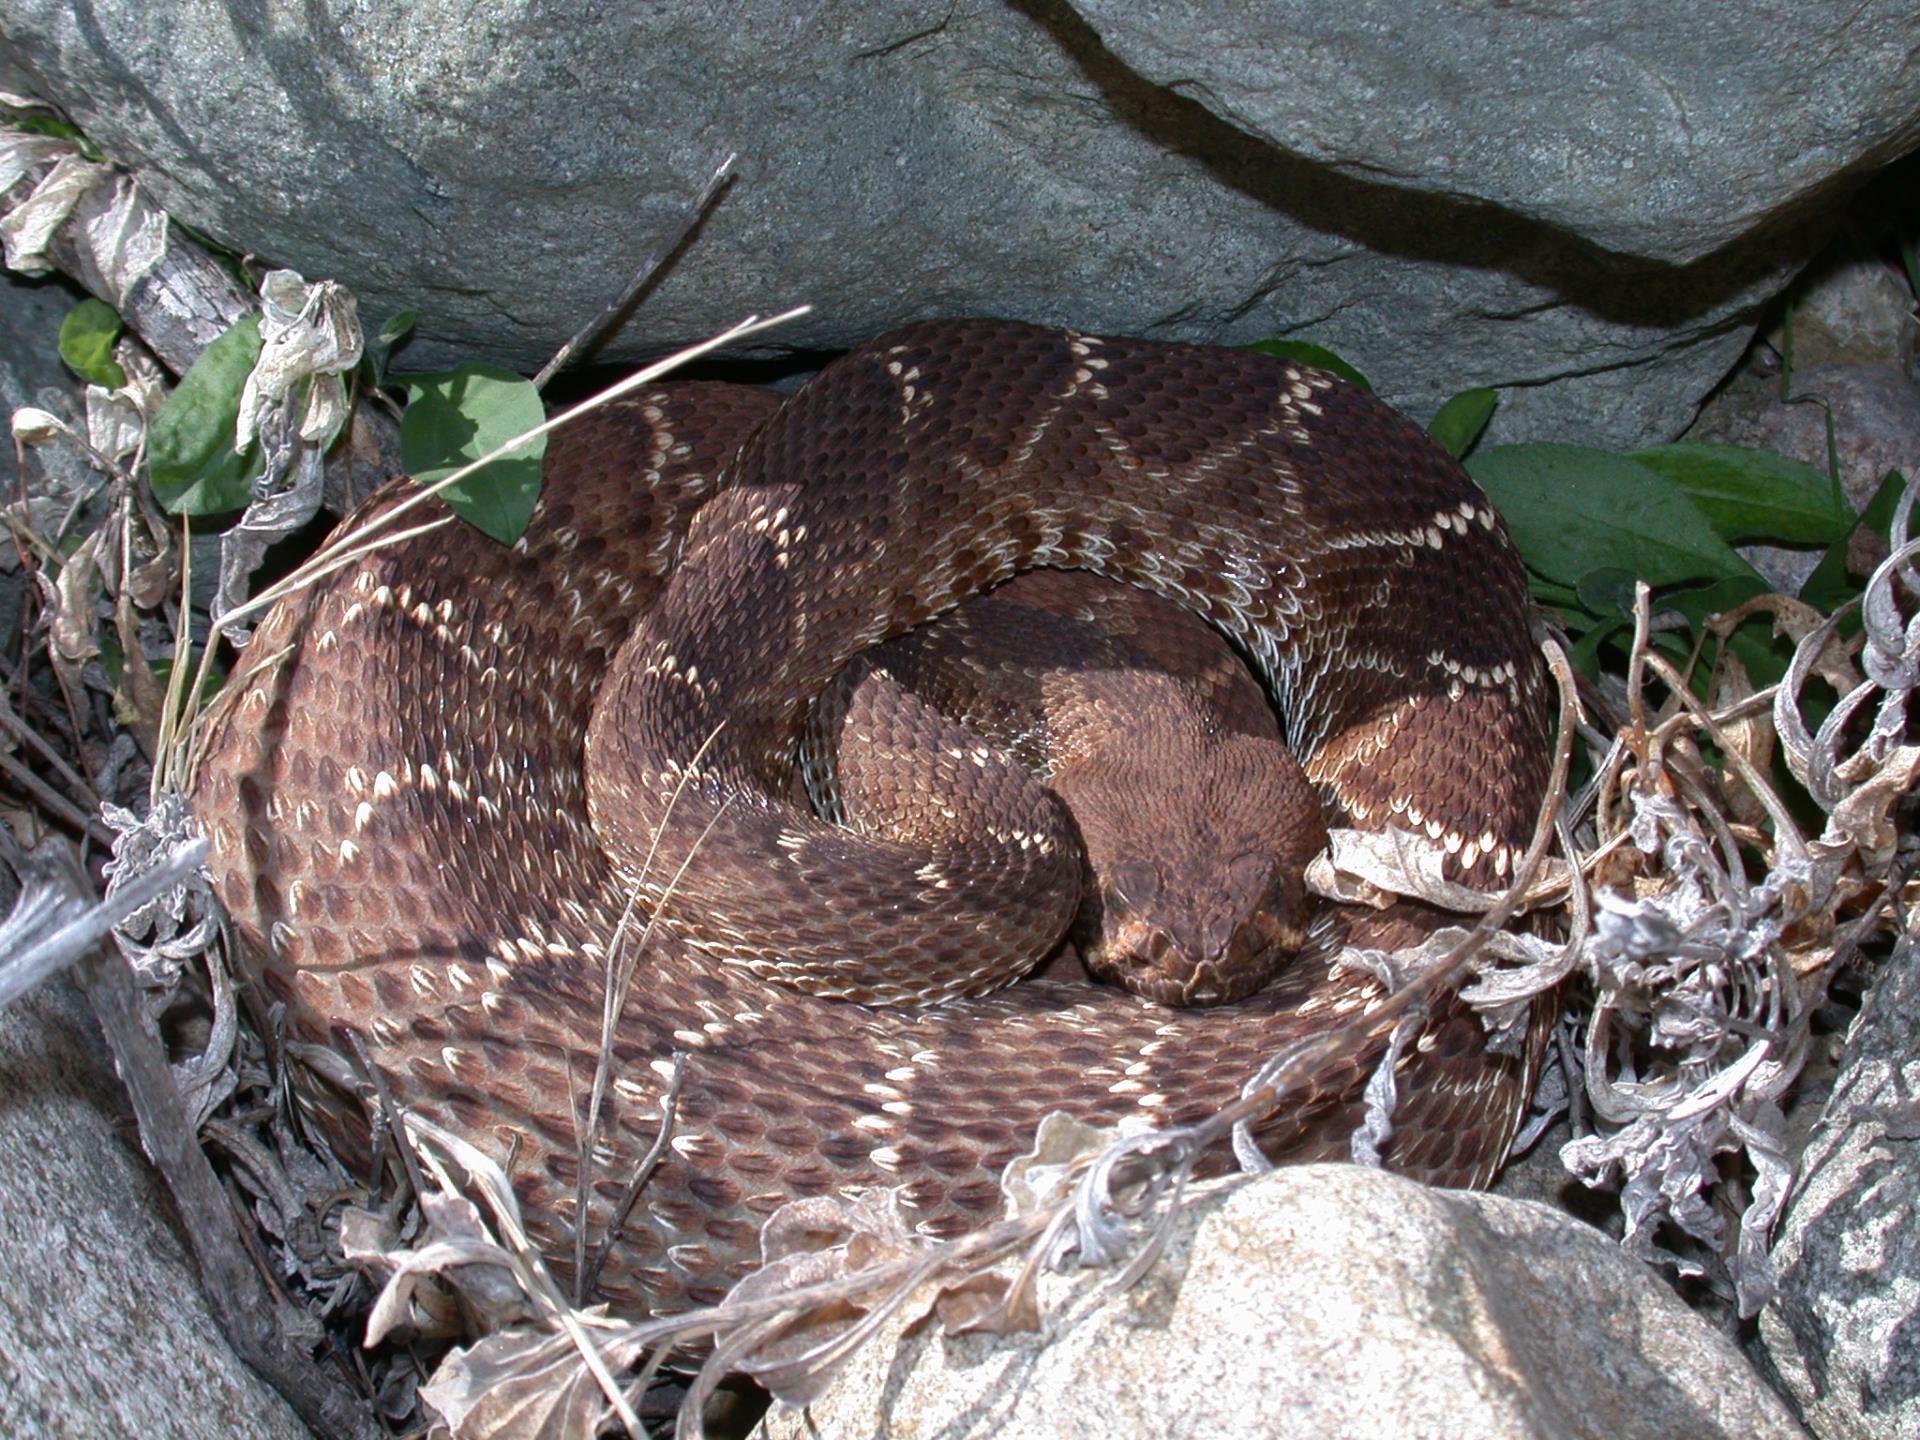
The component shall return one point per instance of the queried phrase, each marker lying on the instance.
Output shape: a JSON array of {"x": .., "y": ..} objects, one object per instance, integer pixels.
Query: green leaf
[
  {"x": 398, "y": 324},
  {"x": 454, "y": 418},
  {"x": 1753, "y": 644},
  {"x": 1754, "y": 495},
  {"x": 86, "y": 343},
  {"x": 1573, "y": 511},
  {"x": 1831, "y": 585},
  {"x": 190, "y": 454},
  {"x": 1700, "y": 605},
  {"x": 1585, "y": 654},
  {"x": 1458, "y": 423},
  {"x": 1307, "y": 353},
  {"x": 1551, "y": 592},
  {"x": 1607, "y": 591}
]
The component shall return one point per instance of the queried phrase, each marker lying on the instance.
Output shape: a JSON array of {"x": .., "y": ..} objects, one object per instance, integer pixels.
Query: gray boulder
[
  {"x": 1595, "y": 228},
  {"x": 103, "y": 1326},
  {"x": 1662, "y": 131},
  {"x": 1329, "y": 1301},
  {"x": 1843, "y": 1333}
]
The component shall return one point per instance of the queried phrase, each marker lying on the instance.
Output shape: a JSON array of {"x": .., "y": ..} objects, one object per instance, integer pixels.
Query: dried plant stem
[
  {"x": 166, "y": 754},
  {"x": 642, "y": 1172},
  {"x": 651, "y": 263},
  {"x": 32, "y": 739},
  {"x": 529, "y": 1270},
  {"x": 613, "y": 1000},
  {"x": 53, "y": 802}
]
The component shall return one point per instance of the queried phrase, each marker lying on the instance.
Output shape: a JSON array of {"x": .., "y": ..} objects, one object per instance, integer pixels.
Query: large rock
[
  {"x": 1329, "y": 1301},
  {"x": 1843, "y": 1333},
  {"x": 103, "y": 1327},
  {"x": 1594, "y": 230},
  {"x": 1659, "y": 130}
]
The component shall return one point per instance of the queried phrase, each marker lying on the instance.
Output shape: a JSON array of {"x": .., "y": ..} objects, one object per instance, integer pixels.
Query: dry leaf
[
  {"x": 32, "y": 426},
  {"x": 1750, "y": 736},
  {"x": 75, "y": 593},
  {"x": 1864, "y": 818},
  {"x": 1062, "y": 1146},
  {"x": 524, "y": 1385},
  {"x": 139, "y": 699},
  {"x": 115, "y": 425},
  {"x": 307, "y": 332},
  {"x": 989, "y": 1304},
  {"x": 460, "y": 1251},
  {"x": 28, "y": 227},
  {"x": 814, "y": 1241},
  {"x": 1372, "y": 867}
]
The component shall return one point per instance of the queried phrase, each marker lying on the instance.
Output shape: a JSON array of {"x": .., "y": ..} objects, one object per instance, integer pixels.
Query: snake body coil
[{"x": 399, "y": 796}]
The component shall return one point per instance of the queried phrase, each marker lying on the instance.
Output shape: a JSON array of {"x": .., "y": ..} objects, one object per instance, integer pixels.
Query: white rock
[{"x": 1330, "y": 1301}]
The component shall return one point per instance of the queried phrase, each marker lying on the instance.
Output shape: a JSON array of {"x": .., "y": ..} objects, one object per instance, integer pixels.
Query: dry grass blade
[
  {"x": 621, "y": 963},
  {"x": 649, "y": 266}
]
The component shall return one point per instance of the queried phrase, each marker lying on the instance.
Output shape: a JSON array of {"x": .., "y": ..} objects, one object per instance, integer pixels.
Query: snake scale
[{"x": 398, "y": 797}]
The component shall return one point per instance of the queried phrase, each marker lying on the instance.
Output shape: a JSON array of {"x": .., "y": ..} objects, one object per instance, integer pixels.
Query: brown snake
[{"x": 400, "y": 816}]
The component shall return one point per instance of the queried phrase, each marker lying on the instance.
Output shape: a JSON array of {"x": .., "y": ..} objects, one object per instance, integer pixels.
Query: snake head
[{"x": 1202, "y": 910}]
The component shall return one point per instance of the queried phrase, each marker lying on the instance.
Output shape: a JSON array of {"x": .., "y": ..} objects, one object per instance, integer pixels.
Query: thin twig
[
  {"x": 664, "y": 247},
  {"x": 241, "y": 1305},
  {"x": 1786, "y": 832},
  {"x": 614, "y": 996},
  {"x": 642, "y": 1172},
  {"x": 54, "y": 802},
  {"x": 21, "y": 730},
  {"x": 72, "y": 929}
]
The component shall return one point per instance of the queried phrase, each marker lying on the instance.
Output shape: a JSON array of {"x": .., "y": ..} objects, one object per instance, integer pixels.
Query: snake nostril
[{"x": 1218, "y": 933}]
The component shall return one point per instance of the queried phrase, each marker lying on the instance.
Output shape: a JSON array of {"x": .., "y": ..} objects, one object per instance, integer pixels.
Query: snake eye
[
  {"x": 1248, "y": 876},
  {"x": 1134, "y": 883}
]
